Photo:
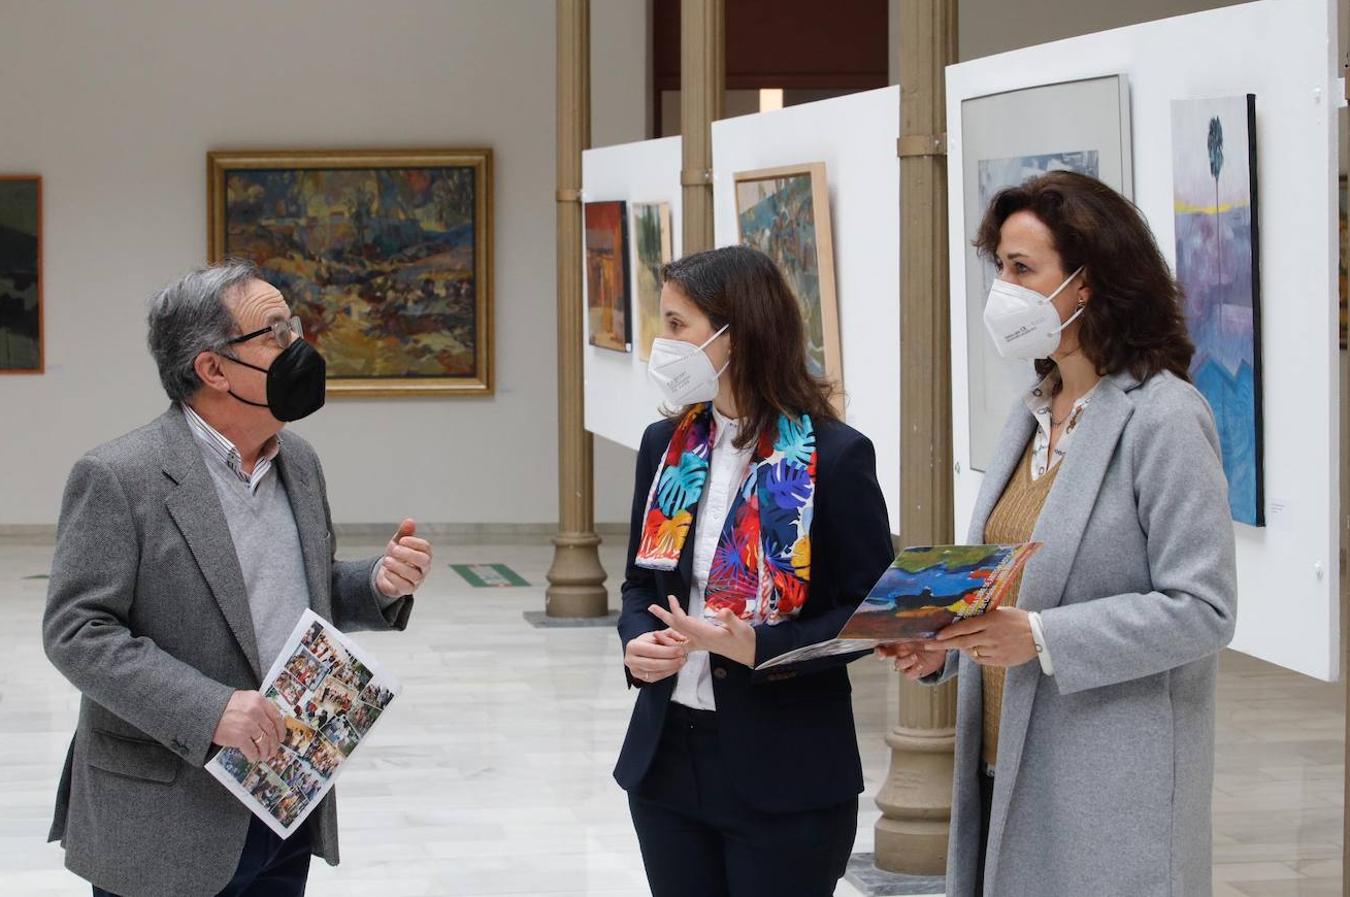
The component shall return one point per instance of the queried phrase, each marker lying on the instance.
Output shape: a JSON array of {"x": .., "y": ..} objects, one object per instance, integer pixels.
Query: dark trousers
[
  {"x": 699, "y": 839},
  {"x": 986, "y": 811},
  {"x": 268, "y": 867}
]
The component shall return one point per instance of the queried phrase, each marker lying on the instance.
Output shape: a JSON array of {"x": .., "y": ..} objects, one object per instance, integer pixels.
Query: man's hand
[
  {"x": 406, "y": 562},
  {"x": 252, "y": 724},
  {"x": 654, "y": 656}
]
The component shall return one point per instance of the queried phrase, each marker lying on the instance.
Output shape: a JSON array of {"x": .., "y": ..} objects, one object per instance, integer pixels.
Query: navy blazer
[{"x": 787, "y": 734}]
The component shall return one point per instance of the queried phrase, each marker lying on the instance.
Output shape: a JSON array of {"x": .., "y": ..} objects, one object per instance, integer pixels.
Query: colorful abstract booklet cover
[
  {"x": 331, "y": 693},
  {"x": 925, "y": 590}
]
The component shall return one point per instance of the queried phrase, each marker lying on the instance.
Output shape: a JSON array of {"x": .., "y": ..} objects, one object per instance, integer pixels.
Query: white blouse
[
  {"x": 1038, "y": 403},
  {"x": 726, "y": 471}
]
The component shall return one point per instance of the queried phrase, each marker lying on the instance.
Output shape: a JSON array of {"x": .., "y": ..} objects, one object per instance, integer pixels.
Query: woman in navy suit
[{"x": 758, "y": 526}]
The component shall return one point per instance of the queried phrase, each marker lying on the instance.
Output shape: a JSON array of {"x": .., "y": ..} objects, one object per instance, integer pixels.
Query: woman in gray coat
[{"x": 1085, "y": 714}]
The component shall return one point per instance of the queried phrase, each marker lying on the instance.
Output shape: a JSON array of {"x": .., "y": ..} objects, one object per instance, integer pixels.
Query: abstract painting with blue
[
  {"x": 928, "y": 588},
  {"x": 1218, "y": 266}
]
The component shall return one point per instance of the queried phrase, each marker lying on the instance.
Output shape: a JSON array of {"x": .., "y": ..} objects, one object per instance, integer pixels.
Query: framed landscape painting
[
  {"x": 386, "y": 256},
  {"x": 609, "y": 322},
  {"x": 652, "y": 250},
  {"x": 785, "y": 213},
  {"x": 1219, "y": 267},
  {"x": 21, "y": 274}
]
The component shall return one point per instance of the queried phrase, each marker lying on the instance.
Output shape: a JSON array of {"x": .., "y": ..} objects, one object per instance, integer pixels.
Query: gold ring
[{"x": 975, "y": 653}]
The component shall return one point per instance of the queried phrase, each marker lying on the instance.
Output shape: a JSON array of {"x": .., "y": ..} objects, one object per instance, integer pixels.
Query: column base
[
  {"x": 915, "y": 801},
  {"x": 576, "y": 579}
]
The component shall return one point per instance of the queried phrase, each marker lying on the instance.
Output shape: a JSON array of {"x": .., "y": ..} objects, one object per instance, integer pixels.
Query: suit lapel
[
  {"x": 313, "y": 529},
  {"x": 1012, "y": 445},
  {"x": 196, "y": 511},
  {"x": 1073, "y": 496},
  {"x": 1060, "y": 527}
]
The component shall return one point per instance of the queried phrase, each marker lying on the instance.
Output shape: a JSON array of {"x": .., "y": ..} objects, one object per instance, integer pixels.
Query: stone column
[
  {"x": 915, "y": 799},
  {"x": 702, "y": 79},
  {"x": 576, "y": 579}
]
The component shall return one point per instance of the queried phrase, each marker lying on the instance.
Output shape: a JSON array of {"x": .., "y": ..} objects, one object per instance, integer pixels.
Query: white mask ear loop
[
  {"x": 713, "y": 337},
  {"x": 710, "y": 342},
  {"x": 1081, "y": 308}
]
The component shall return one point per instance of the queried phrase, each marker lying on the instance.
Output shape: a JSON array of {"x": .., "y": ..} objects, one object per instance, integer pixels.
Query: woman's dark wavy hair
[
  {"x": 1134, "y": 321},
  {"x": 743, "y": 288}
]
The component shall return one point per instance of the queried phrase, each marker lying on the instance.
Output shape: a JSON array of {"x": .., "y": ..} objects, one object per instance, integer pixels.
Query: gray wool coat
[
  {"x": 147, "y": 615},
  {"x": 1105, "y": 769}
]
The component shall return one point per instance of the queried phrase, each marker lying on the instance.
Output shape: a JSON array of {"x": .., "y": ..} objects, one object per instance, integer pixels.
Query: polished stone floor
[{"x": 490, "y": 776}]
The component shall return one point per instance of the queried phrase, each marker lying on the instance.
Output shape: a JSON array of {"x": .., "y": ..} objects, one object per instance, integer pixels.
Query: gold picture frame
[
  {"x": 386, "y": 255},
  {"x": 785, "y": 213}
]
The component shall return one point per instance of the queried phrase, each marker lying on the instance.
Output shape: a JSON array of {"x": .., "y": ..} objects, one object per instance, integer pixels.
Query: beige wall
[
  {"x": 116, "y": 106},
  {"x": 993, "y": 26}
]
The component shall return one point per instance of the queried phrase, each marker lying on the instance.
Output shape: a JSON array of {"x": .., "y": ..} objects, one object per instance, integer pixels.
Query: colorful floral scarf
[{"x": 762, "y": 567}]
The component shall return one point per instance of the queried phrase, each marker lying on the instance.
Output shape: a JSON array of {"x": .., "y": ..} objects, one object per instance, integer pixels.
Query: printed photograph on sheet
[{"x": 331, "y": 694}]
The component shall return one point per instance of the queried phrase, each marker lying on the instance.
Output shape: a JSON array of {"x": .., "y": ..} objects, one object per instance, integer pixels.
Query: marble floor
[{"x": 491, "y": 775}]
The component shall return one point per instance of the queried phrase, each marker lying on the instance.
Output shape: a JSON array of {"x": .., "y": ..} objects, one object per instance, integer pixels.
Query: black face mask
[{"x": 296, "y": 382}]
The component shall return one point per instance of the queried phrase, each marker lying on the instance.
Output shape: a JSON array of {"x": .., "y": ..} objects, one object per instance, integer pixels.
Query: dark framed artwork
[
  {"x": 386, "y": 256},
  {"x": 21, "y": 329},
  {"x": 1216, "y": 214},
  {"x": 609, "y": 319}
]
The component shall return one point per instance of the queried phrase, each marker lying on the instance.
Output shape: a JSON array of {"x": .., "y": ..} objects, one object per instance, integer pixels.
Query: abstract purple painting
[{"x": 1218, "y": 265}]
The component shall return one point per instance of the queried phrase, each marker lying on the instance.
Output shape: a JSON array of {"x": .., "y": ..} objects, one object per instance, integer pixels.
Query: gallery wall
[
  {"x": 116, "y": 106},
  {"x": 1278, "y": 51}
]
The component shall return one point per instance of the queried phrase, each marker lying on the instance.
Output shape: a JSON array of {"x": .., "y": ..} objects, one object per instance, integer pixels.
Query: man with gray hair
[{"x": 186, "y": 552}]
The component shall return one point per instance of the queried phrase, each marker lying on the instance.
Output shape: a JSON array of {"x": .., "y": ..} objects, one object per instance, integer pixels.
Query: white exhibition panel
[
  {"x": 855, "y": 136},
  {"x": 620, "y": 400},
  {"x": 1284, "y": 52}
]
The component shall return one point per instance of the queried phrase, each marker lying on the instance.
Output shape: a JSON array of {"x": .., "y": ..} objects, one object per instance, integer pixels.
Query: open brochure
[
  {"x": 331, "y": 693},
  {"x": 925, "y": 590}
]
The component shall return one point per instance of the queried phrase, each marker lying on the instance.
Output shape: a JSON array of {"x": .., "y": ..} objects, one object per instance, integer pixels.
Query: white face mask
[
  {"x": 1022, "y": 323},
  {"x": 683, "y": 372}
]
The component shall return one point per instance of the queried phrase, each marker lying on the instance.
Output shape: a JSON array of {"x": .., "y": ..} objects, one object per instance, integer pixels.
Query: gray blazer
[
  {"x": 148, "y": 617},
  {"x": 1105, "y": 769}
]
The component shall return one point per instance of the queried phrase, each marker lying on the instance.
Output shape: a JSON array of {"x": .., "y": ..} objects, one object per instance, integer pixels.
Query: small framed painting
[
  {"x": 21, "y": 274},
  {"x": 609, "y": 322},
  {"x": 651, "y": 250},
  {"x": 785, "y": 213}
]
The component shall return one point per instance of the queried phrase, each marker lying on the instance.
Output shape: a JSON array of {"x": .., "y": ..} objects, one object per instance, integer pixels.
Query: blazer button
[{"x": 720, "y": 673}]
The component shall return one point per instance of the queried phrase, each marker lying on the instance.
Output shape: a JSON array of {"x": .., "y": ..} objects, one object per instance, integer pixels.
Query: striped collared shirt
[{"x": 222, "y": 449}]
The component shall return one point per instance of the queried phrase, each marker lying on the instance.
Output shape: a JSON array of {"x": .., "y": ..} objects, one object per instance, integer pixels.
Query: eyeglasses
[{"x": 283, "y": 331}]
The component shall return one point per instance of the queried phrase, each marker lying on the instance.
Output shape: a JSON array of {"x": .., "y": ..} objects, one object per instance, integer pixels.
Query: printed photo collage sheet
[{"x": 330, "y": 694}]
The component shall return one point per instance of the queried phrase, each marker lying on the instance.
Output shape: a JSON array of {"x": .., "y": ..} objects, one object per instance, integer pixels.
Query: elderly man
[{"x": 186, "y": 553}]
